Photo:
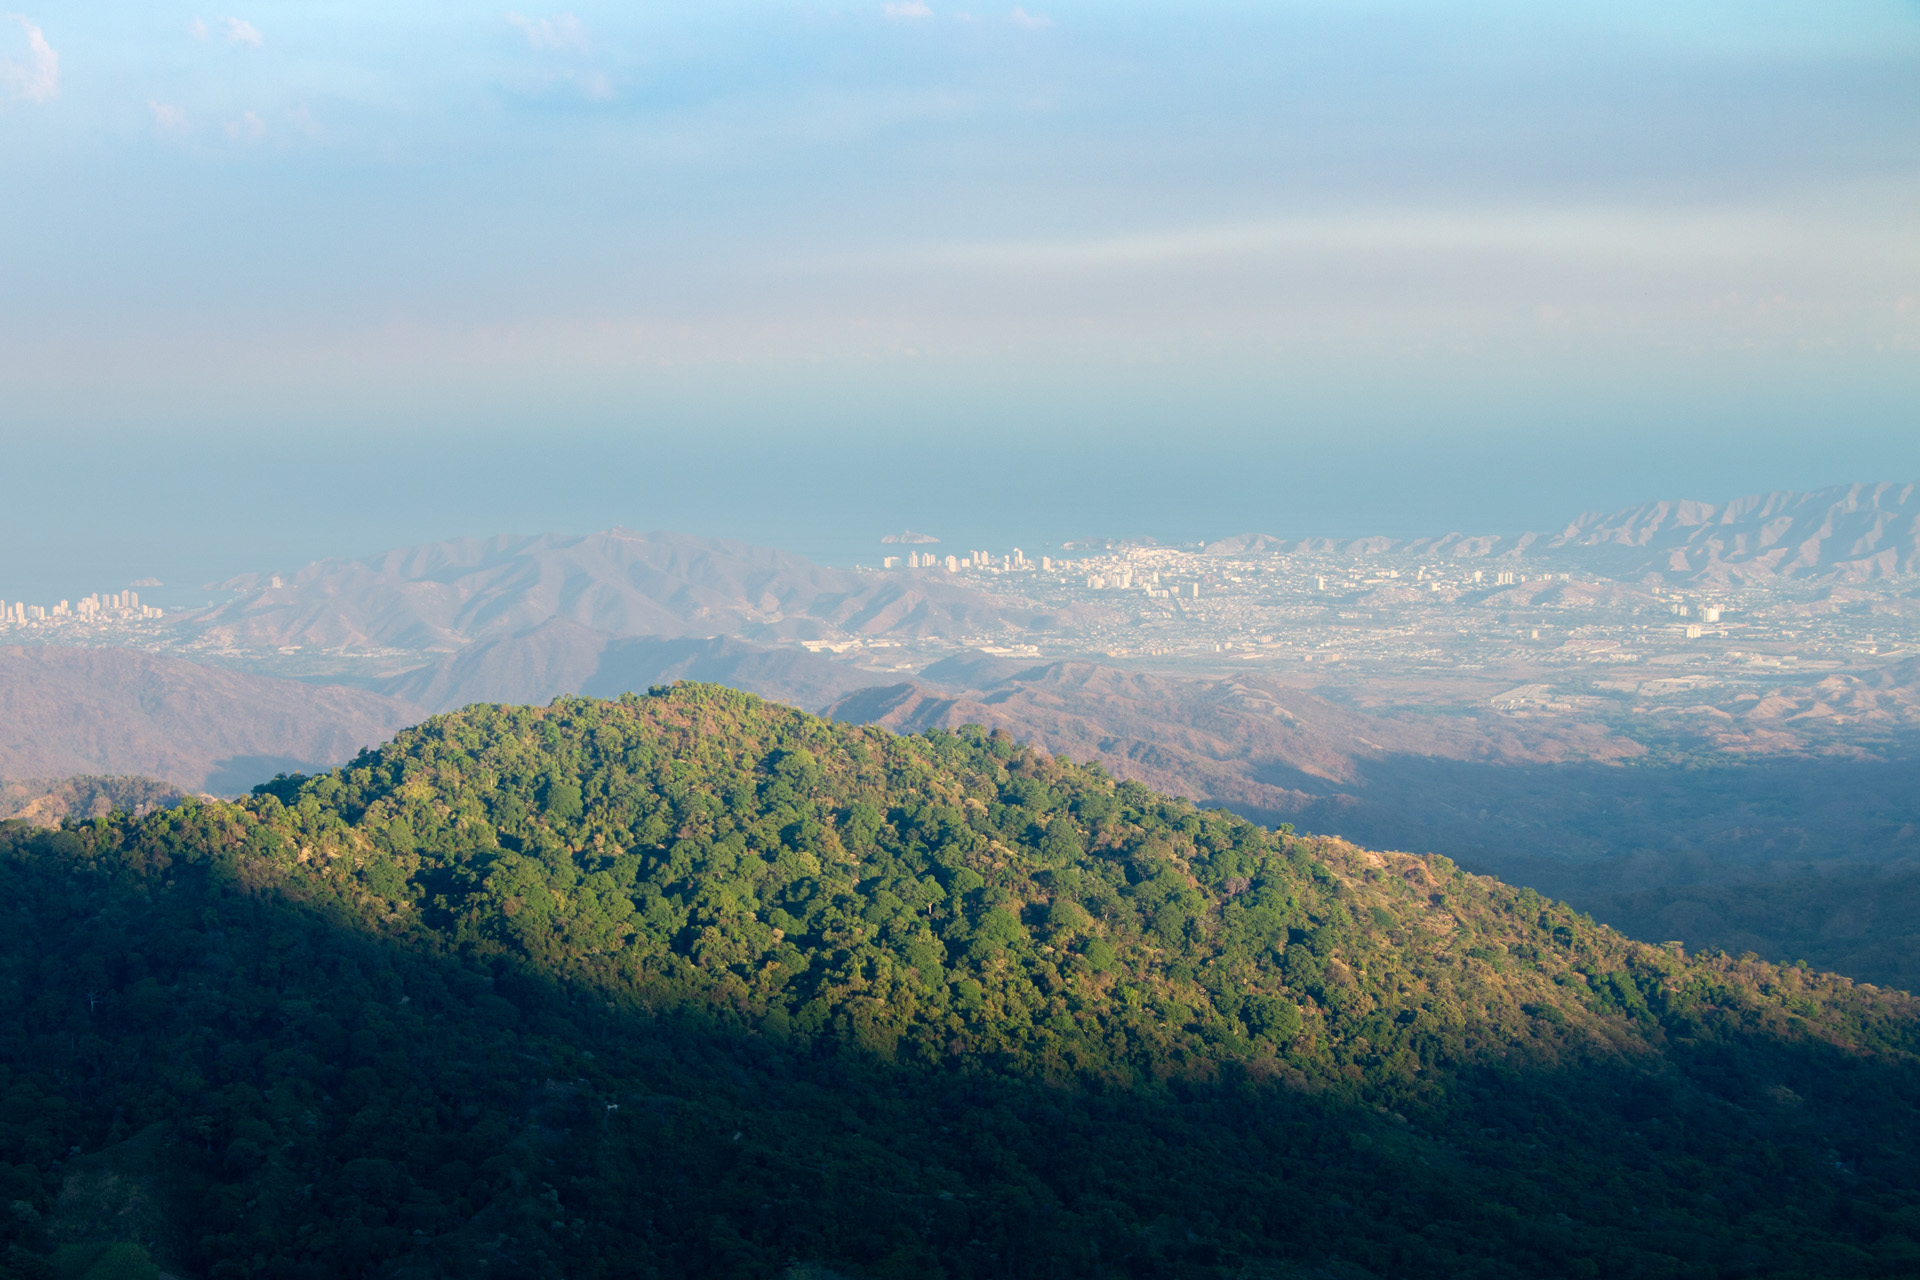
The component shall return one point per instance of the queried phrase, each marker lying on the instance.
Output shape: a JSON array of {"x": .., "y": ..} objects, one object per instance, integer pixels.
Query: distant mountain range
[
  {"x": 445, "y": 595},
  {"x": 1847, "y": 532}
]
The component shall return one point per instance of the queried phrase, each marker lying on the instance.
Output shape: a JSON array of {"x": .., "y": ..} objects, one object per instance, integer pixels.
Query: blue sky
[{"x": 295, "y": 279}]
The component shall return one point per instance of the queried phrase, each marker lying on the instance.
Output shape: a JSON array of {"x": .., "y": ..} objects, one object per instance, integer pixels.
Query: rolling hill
[
  {"x": 123, "y": 711},
  {"x": 1251, "y": 743},
  {"x": 1792, "y": 854},
  {"x": 695, "y": 984}
]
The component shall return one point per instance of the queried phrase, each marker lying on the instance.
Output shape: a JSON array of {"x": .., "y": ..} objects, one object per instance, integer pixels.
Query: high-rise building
[{"x": 953, "y": 564}]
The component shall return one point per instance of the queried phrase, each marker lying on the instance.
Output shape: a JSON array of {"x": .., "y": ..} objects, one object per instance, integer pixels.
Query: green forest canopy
[{"x": 696, "y": 984}]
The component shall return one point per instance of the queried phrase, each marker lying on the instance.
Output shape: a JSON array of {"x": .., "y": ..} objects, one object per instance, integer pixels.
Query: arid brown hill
[
  {"x": 120, "y": 711},
  {"x": 1254, "y": 745}
]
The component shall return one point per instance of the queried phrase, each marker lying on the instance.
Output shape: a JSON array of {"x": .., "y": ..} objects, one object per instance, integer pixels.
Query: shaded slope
[
  {"x": 122, "y": 711},
  {"x": 694, "y": 984}
]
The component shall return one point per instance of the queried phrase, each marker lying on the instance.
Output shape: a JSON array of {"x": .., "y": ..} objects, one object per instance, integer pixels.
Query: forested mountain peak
[{"x": 693, "y": 983}]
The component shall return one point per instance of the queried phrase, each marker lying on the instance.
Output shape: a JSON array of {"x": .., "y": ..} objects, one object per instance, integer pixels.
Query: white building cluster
[
  {"x": 1017, "y": 559},
  {"x": 115, "y": 605}
]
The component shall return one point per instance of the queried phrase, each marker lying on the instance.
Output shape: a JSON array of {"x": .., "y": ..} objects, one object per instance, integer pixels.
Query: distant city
[
  {"x": 1560, "y": 640},
  {"x": 1449, "y": 623},
  {"x": 108, "y": 609}
]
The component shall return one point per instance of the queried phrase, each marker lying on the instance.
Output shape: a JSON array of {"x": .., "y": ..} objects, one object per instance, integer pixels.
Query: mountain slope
[
  {"x": 693, "y": 984},
  {"x": 123, "y": 711},
  {"x": 442, "y": 595},
  {"x": 1253, "y": 744}
]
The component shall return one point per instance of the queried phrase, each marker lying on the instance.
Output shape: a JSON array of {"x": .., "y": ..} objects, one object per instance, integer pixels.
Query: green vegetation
[{"x": 695, "y": 984}]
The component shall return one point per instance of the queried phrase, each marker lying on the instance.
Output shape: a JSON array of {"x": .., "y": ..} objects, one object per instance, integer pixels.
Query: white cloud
[
  {"x": 240, "y": 31},
  {"x": 167, "y": 116},
  {"x": 561, "y": 31},
  {"x": 594, "y": 86},
  {"x": 247, "y": 128},
  {"x": 38, "y": 78},
  {"x": 1021, "y": 18},
  {"x": 907, "y": 9},
  {"x": 197, "y": 29}
]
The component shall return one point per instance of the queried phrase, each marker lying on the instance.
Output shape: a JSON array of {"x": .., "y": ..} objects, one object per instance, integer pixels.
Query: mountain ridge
[
  {"x": 438, "y": 597},
  {"x": 1850, "y": 532}
]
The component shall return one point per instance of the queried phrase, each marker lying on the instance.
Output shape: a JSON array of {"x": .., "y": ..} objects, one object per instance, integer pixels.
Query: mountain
[
  {"x": 560, "y": 656},
  {"x": 1847, "y": 532},
  {"x": 695, "y": 984},
  {"x": 444, "y": 595},
  {"x": 123, "y": 711},
  {"x": 1788, "y": 853},
  {"x": 1253, "y": 744},
  {"x": 47, "y": 802}
]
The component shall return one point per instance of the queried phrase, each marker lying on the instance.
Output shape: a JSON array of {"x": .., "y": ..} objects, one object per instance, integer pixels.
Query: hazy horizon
[{"x": 286, "y": 284}]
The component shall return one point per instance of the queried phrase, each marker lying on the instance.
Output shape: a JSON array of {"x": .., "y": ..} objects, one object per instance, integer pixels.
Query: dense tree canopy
[{"x": 695, "y": 984}]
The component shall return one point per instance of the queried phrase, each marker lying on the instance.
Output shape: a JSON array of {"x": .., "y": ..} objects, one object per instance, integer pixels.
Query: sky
[{"x": 291, "y": 281}]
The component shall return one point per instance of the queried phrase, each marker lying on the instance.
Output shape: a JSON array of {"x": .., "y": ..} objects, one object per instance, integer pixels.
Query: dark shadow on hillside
[
  {"x": 337, "y": 1103},
  {"x": 1788, "y": 857}
]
